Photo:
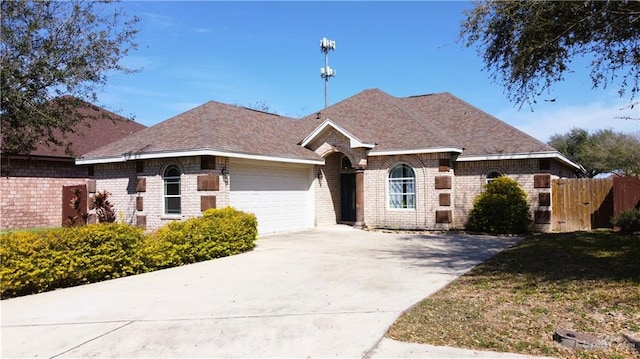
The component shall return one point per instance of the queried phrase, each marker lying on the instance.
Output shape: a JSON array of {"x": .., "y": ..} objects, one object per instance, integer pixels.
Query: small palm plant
[{"x": 104, "y": 209}]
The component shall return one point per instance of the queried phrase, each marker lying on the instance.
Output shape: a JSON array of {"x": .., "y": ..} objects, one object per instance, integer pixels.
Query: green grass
[{"x": 588, "y": 282}]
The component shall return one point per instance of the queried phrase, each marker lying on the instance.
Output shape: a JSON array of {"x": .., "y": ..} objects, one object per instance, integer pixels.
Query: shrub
[
  {"x": 501, "y": 208},
  {"x": 23, "y": 269},
  {"x": 36, "y": 262},
  {"x": 628, "y": 221},
  {"x": 218, "y": 233}
]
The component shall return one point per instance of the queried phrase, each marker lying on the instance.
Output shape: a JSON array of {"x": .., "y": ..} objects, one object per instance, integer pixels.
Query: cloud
[
  {"x": 592, "y": 116},
  {"x": 158, "y": 20},
  {"x": 201, "y": 30}
]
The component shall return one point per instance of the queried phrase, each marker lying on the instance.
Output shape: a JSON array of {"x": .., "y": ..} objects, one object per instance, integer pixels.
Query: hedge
[
  {"x": 218, "y": 233},
  {"x": 37, "y": 262}
]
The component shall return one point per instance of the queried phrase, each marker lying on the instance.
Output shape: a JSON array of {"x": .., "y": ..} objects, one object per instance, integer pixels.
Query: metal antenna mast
[{"x": 326, "y": 72}]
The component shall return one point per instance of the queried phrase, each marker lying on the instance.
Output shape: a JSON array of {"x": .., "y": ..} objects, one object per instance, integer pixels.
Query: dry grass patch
[{"x": 588, "y": 282}]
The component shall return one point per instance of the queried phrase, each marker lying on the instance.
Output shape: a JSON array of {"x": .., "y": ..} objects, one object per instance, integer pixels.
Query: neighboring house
[
  {"x": 370, "y": 160},
  {"x": 31, "y": 186}
]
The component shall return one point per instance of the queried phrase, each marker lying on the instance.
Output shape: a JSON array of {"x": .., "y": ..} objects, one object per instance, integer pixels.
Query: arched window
[
  {"x": 402, "y": 187},
  {"x": 171, "y": 179},
  {"x": 493, "y": 175},
  {"x": 345, "y": 164}
]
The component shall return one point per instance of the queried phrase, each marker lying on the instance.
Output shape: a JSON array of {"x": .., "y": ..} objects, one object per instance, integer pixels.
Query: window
[
  {"x": 402, "y": 187},
  {"x": 493, "y": 175},
  {"x": 172, "y": 190},
  {"x": 345, "y": 164}
]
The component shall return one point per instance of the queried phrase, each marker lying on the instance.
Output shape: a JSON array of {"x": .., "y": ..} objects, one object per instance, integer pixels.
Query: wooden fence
[{"x": 582, "y": 204}]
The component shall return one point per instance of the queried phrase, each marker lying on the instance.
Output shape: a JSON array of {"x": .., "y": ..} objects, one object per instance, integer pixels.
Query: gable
[{"x": 327, "y": 126}]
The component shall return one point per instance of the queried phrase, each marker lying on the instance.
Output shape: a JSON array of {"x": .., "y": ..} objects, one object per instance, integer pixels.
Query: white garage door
[{"x": 279, "y": 196}]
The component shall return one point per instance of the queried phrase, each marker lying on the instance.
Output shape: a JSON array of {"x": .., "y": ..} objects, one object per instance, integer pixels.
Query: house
[
  {"x": 370, "y": 160},
  {"x": 31, "y": 185}
]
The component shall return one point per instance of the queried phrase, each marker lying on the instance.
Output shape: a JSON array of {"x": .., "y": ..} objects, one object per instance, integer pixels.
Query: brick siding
[
  {"x": 120, "y": 180},
  {"x": 470, "y": 178},
  {"x": 377, "y": 211},
  {"x": 31, "y": 191}
]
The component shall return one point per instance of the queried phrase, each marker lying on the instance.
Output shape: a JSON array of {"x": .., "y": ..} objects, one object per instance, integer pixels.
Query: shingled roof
[
  {"x": 213, "y": 128},
  {"x": 101, "y": 127},
  {"x": 376, "y": 117},
  {"x": 425, "y": 123},
  {"x": 384, "y": 123},
  {"x": 480, "y": 133}
]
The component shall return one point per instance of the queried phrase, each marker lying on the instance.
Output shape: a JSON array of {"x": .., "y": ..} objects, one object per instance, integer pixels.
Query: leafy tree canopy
[
  {"x": 528, "y": 45},
  {"x": 603, "y": 151},
  {"x": 50, "y": 49}
]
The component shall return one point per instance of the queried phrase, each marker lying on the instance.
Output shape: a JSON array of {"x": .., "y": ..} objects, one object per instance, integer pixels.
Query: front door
[{"x": 348, "y": 197}]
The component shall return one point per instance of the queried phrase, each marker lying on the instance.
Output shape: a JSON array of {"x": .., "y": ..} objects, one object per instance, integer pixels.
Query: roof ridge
[{"x": 350, "y": 98}]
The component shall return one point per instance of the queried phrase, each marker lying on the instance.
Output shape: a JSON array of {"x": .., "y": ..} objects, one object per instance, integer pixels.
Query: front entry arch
[{"x": 340, "y": 192}]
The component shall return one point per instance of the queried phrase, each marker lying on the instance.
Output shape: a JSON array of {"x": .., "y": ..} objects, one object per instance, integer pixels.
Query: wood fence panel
[
  {"x": 579, "y": 202},
  {"x": 626, "y": 194}
]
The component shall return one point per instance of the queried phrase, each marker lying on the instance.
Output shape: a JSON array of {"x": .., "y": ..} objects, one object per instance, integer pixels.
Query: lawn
[{"x": 514, "y": 302}]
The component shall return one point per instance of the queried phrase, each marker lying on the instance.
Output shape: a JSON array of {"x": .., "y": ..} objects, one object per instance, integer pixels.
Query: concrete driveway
[{"x": 329, "y": 292}]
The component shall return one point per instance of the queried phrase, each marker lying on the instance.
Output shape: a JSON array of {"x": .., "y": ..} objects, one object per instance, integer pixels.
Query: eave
[
  {"x": 520, "y": 156},
  {"x": 189, "y": 153}
]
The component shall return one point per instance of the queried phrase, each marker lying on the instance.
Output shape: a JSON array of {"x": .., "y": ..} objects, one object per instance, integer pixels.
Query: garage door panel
[
  {"x": 269, "y": 179},
  {"x": 280, "y": 197}
]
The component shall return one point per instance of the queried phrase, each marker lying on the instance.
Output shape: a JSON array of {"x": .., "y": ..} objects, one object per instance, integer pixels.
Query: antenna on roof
[{"x": 326, "y": 72}]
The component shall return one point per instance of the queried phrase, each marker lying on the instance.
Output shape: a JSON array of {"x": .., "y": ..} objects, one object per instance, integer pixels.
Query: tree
[
  {"x": 528, "y": 45},
  {"x": 261, "y": 106},
  {"x": 601, "y": 152},
  {"x": 50, "y": 49}
]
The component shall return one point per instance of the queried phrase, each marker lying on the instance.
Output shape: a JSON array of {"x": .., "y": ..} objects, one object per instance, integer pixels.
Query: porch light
[
  {"x": 225, "y": 173},
  {"x": 320, "y": 175}
]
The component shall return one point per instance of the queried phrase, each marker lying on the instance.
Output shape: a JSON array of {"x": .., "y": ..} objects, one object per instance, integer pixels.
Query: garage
[{"x": 278, "y": 194}]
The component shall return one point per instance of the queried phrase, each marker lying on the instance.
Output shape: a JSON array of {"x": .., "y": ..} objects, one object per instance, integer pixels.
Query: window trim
[
  {"x": 165, "y": 196},
  {"x": 404, "y": 195}
]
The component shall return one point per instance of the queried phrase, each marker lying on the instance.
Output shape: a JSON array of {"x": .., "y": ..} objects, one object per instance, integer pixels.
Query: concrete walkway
[{"x": 330, "y": 292}]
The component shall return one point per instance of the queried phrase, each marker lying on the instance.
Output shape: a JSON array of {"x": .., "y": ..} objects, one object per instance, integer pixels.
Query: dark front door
[{"x": 348, "y": 197}]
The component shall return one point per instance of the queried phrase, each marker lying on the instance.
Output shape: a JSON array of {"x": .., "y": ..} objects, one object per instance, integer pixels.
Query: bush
[
  {"x": 501, "y": 208},
  {"x": 37, "y": 262},
  {"x": 218, "y": 233},
  {"x": 628, "y": 221}
]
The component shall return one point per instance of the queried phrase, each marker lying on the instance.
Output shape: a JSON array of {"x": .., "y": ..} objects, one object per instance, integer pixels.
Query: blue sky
[{"x": 249, "y": 52}]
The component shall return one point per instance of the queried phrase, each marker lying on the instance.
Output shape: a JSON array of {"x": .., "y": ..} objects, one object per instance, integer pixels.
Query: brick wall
[
  {"x": 333, "y": 145},
  {"x": 122, "y": 181},
  {"x": 471, "y": 176},
  {"x": 31, "y": 191},
  {"x": 426, "y": 168},
  {"x": 327, "y": 191}
]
